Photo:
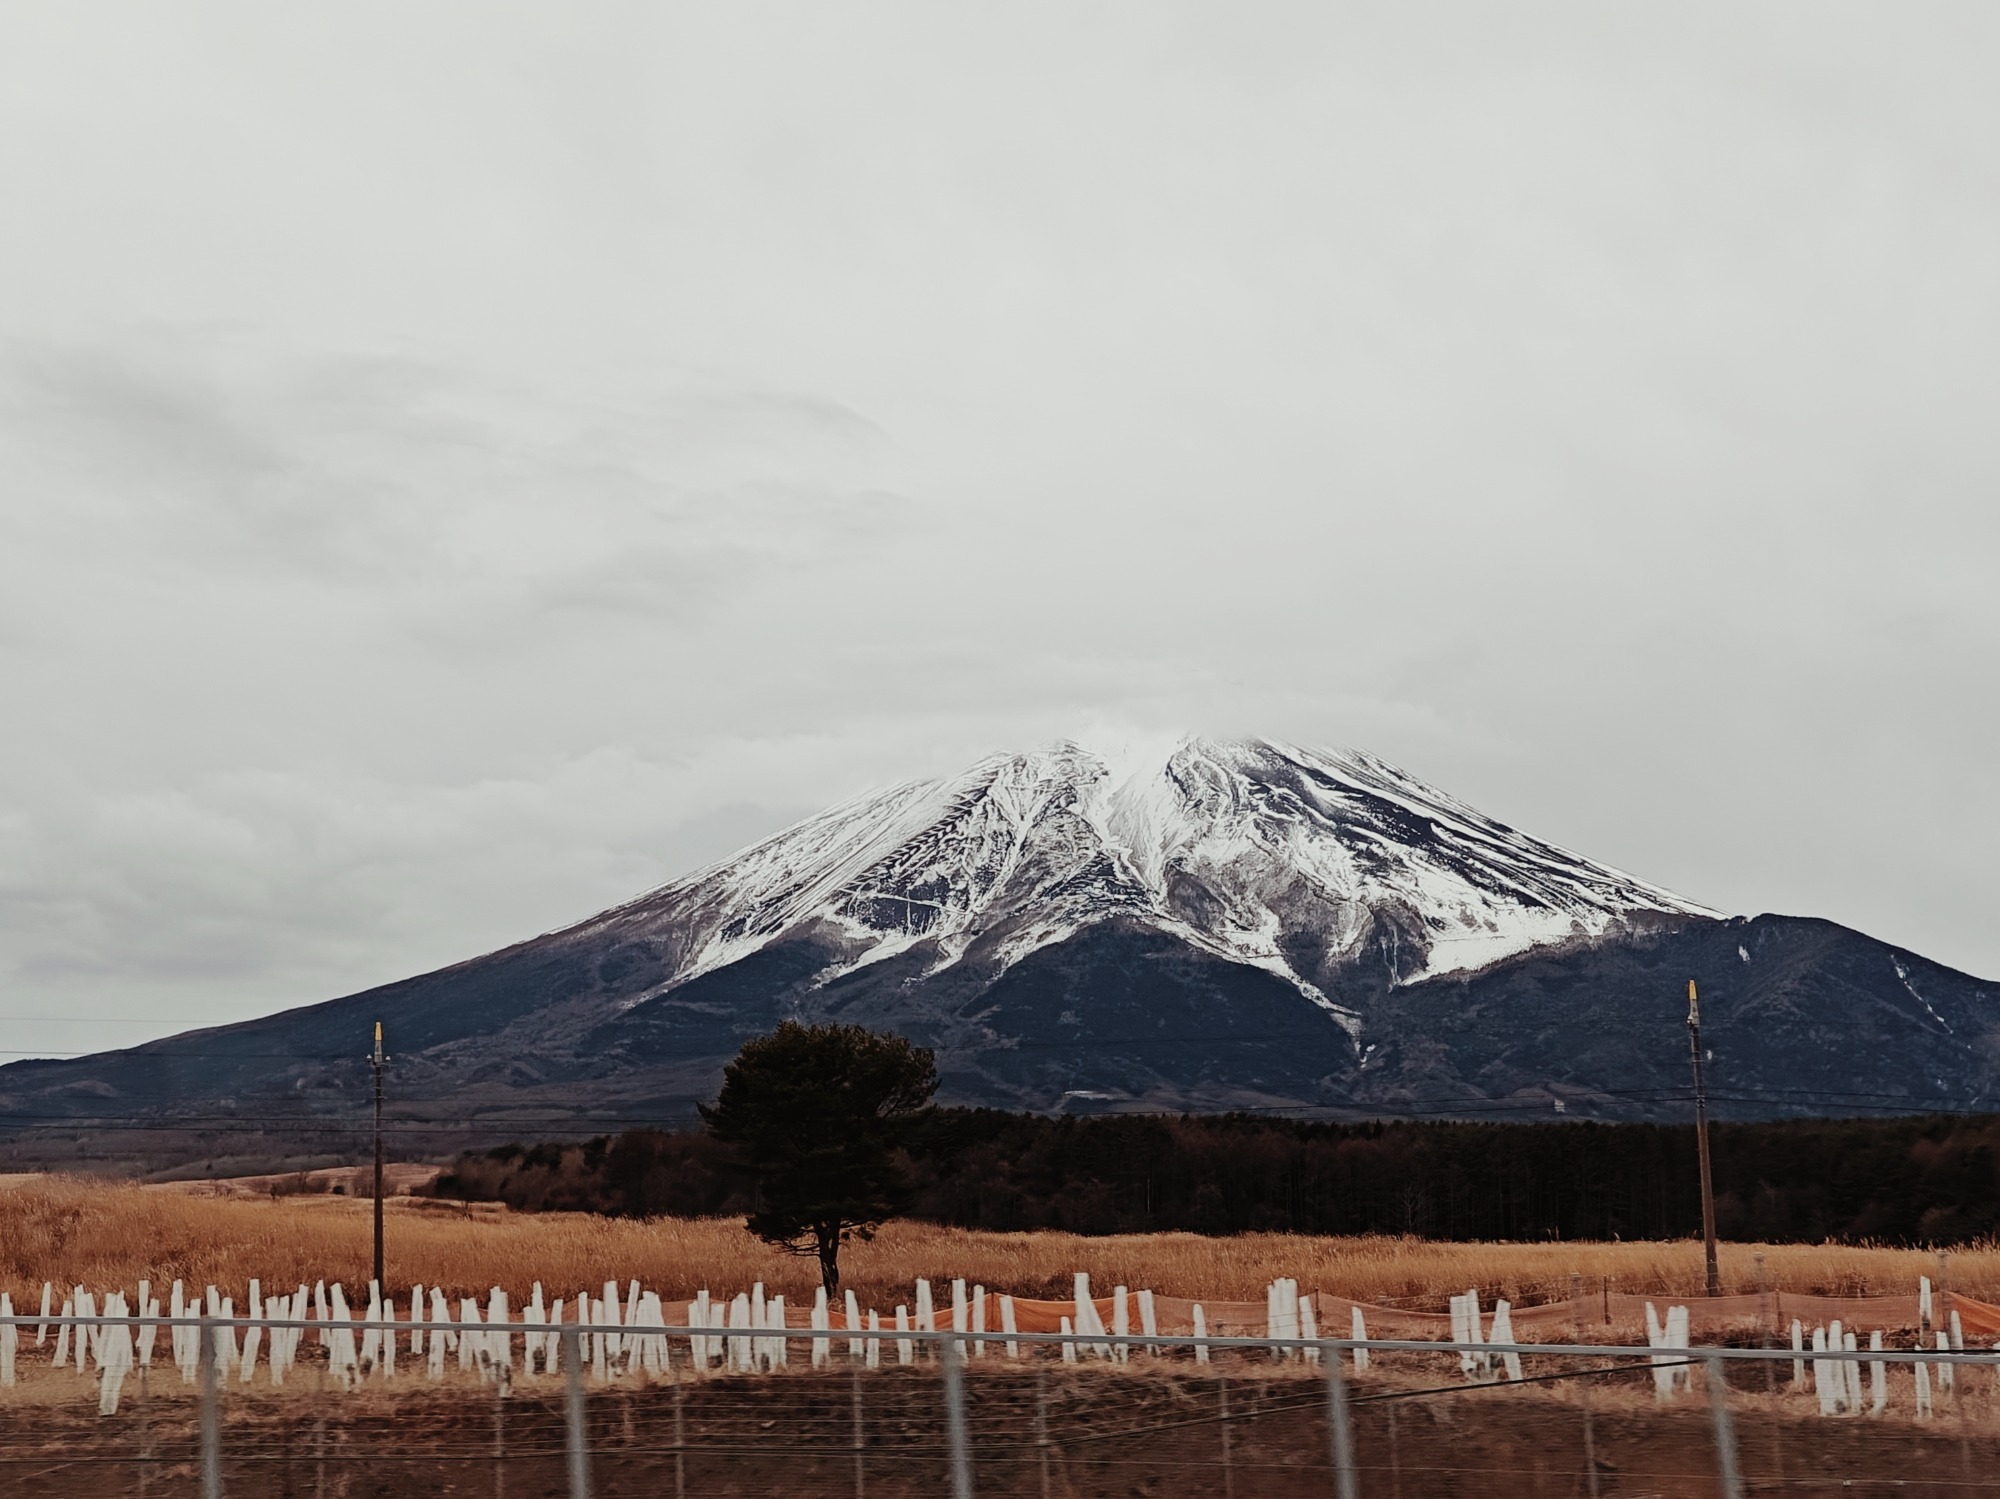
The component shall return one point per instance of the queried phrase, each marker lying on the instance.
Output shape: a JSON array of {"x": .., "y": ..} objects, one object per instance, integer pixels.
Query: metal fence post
[
  {"x": 860, "y": 1434},
  {"x": 319, "y": 1438},
  {"x": 680, "y": 1435},
  {"x": 145, "y": 1430},
  {"x": 1395, "y": 1454},
  {"x": 1725, "y": 1429},
  {"x": 1222, "y": 1421},
  {"x": 573, "y": 1413},
  {"x": 953, "y": 1362},
  {"x": 1345, "y": 1483},
  {"x": 1042, "y": 1425},
  {"x": 1583, "y": 1388},
  {"x": 499, "y": 1432},
  {"x": 211, "y": 1415}
]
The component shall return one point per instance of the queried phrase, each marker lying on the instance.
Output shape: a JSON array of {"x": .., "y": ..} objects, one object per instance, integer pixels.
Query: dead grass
[{"x": 76, "y": 1232}]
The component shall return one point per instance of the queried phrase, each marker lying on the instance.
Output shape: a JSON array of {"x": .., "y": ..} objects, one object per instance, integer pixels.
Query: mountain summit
[
  {"x": 1310, "y": 865},
  {"x": 1231, "y": 924}
]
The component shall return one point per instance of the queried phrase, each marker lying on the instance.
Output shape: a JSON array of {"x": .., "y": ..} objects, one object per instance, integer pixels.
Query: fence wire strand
[{"x": 1146, "y": 1423}]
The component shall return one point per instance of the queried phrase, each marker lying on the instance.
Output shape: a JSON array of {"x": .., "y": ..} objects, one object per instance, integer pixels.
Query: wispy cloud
[{"x": 423, "y": 520}]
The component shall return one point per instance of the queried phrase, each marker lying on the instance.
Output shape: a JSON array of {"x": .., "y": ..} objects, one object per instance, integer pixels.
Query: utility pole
[
  {"x": 1701, "y": 1141},
  {"x": 378, "y": 1059}
]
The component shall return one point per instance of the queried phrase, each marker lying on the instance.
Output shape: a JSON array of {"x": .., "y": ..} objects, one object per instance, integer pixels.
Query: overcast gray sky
[{"x": 463, "y": 464}]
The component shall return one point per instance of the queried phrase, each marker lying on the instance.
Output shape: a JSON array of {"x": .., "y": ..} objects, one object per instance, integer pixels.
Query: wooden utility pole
[
  {"x": 378, "y": 1059},
  {"x": 1701, "y": 1141}
]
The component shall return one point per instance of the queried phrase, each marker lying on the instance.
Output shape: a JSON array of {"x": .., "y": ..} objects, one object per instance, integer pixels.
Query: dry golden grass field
[{"x": 73, "y": 1231}]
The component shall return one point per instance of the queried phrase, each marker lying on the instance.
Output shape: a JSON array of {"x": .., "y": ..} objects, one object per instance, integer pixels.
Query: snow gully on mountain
[{"x": 1295, "y": 861}]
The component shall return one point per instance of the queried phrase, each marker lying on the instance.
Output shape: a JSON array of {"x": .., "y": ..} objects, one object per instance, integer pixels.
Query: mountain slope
[
  {"x": 1295, "y": 861},
  {"x": 1232, "y": 924}
]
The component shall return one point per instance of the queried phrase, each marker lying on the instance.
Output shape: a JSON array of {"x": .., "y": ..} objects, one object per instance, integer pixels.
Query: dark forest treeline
[{"x": 1931, "y": 1180}]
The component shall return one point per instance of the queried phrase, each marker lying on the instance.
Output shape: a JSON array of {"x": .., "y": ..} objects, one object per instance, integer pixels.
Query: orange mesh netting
[{"x": 1975, "y": 1317}]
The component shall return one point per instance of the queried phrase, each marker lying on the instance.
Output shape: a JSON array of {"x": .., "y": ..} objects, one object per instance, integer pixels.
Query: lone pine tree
[{"x": 816, "y": 1113}]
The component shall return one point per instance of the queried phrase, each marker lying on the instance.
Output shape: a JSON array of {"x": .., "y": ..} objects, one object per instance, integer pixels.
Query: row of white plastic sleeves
[
  {"x": 1837, "y": 1382},
  {"x": 742, "y": 1333}
]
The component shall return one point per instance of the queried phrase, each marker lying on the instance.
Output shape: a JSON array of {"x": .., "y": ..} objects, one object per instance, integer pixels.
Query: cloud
[
  {"x": 407, "y": 478},
  {"x": 251, "y": 891},
  {"x": 221, "y": 548},
  {"x": 420, "y": 522}
]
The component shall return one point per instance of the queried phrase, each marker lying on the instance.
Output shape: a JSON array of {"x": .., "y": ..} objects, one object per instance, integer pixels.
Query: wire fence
[{"x": 1068, "y": 1416}]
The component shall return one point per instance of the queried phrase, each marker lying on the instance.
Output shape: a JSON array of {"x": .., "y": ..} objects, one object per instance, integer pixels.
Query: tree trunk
[{"x": 829, "y": 1260}]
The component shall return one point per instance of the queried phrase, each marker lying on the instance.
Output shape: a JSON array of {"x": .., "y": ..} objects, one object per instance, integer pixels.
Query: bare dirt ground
[{"x": 1144, "y": 1430}]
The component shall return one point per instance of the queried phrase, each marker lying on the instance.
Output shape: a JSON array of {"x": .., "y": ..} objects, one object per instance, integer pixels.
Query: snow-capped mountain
[
  {"x": 1301, "y": 863},
  {"x": 1226, "y": 925}
]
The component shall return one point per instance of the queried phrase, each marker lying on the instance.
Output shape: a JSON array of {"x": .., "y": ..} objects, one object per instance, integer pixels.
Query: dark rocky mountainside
[{"x": 1240, "y": 926}]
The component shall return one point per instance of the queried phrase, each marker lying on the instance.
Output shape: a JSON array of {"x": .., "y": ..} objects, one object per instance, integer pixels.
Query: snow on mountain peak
[{"x": 1301, "y": 862}]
